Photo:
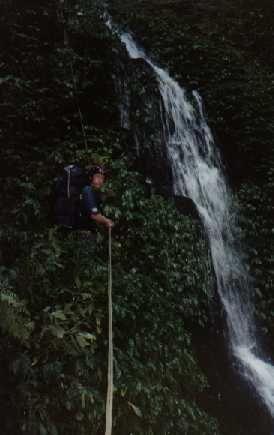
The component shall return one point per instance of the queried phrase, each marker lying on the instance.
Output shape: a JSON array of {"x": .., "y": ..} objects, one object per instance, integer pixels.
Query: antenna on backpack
[
  {"x": 78, "y": 105},
  {"x": 61, "y": 17}
]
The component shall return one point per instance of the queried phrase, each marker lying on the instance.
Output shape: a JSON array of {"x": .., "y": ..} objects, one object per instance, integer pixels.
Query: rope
[
  {"x": 78, "y": 106},
  {"x": 60, "y": 13},
  {"x": 68, "y": 183},
  {"x": 109, "y": 400}
]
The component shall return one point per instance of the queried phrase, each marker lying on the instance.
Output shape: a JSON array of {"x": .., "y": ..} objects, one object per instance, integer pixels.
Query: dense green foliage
[
  {"x": 59, "y": 353},
  {"x": 53, "y": 300}
]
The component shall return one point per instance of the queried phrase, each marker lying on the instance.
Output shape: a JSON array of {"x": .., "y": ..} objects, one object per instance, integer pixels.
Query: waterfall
[{"x": 197, "y": 173}]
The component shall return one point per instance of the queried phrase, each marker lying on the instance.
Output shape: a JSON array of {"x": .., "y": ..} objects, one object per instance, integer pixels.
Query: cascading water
[{"x": 197, "y": 174}]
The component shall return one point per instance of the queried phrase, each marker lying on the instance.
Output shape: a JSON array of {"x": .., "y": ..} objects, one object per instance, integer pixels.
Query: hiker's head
[{"x": 97, "y": 176}]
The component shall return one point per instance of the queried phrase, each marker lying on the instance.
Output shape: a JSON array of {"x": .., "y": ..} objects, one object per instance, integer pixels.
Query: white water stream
[{"x": 197, "y": 174}]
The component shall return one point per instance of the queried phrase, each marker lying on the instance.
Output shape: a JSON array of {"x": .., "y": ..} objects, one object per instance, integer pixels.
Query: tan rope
[{"x": 109, "y": 401}]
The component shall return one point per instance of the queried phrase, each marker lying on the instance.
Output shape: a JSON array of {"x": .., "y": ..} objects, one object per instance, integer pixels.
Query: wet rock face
[
  {"x": 141, "y": 108},
  {"x": 142, "y": 104},
  {"x": 186, "y": 207}
]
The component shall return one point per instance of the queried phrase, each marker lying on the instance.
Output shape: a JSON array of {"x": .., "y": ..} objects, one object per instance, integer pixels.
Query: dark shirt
[{"x": 91, "y": 203}]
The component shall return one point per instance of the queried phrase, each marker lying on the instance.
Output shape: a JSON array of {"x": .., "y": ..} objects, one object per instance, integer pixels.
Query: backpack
[{"x": 68, "y": 188}]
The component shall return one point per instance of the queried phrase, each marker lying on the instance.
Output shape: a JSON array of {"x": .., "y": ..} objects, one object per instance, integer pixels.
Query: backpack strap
[{"x": 68, "y": 169}]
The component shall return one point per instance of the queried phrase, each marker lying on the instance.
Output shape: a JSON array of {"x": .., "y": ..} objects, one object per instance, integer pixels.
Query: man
[{"x": 91, "y": 204}]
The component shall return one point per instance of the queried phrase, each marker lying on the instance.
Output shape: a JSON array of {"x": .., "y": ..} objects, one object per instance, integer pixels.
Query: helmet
[{"x": 96, "y": 170}]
